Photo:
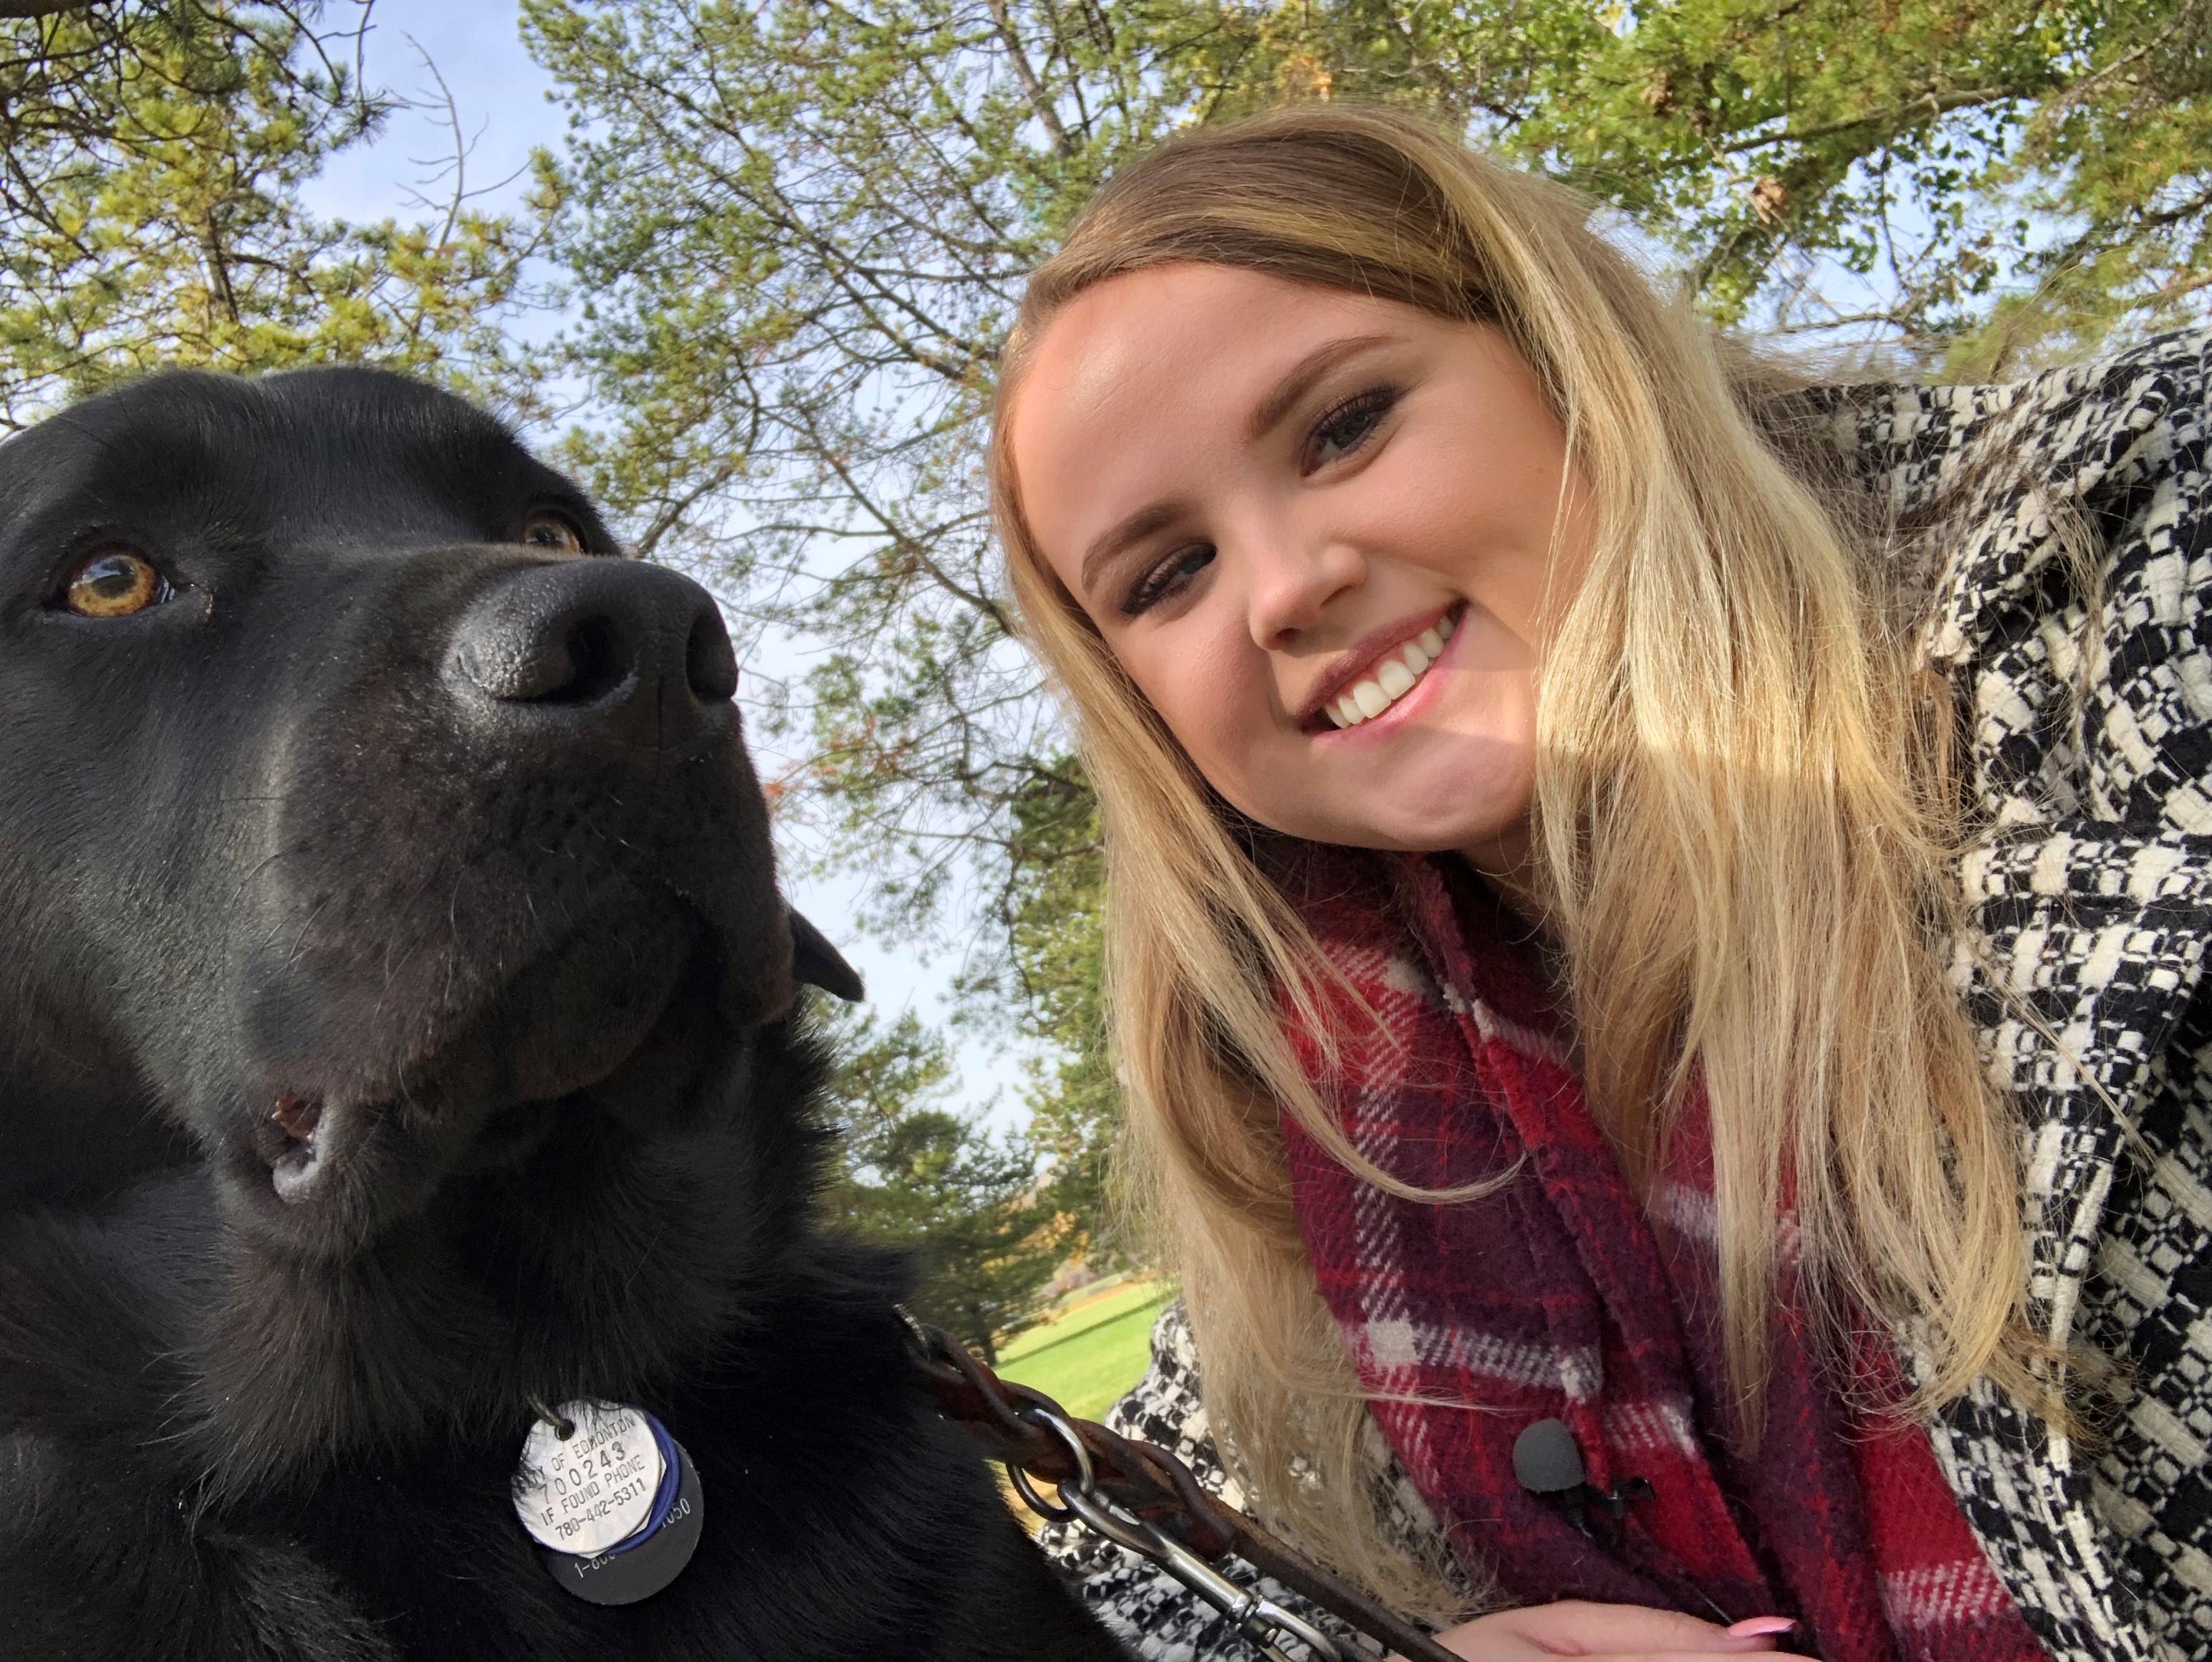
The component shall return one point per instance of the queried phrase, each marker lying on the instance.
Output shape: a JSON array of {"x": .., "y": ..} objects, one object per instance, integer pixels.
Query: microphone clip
[{"x": 1548, "y": 1464}]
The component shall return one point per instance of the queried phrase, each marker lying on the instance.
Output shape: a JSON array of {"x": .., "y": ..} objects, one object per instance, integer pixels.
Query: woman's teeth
[{"x": 1394, "y": 678}]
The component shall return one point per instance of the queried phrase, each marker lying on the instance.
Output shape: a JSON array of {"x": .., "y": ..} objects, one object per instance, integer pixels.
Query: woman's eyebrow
[
  {"x": 1134, "y": 527},
  {"x": 1286, "y": 392}
]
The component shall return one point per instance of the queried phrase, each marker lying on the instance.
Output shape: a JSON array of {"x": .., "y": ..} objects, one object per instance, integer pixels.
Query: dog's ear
[{"x": 818, "y": 964}]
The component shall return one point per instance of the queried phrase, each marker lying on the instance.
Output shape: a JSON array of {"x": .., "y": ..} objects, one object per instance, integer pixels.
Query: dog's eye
[
  {"x": 546, "y": 529},
  {"x": 115, "y": 582}
]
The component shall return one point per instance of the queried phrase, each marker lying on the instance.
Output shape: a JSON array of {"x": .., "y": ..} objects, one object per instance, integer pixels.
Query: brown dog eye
[
  {"x": 546, "y": 529},
  {"x": 115, "y": 583}
]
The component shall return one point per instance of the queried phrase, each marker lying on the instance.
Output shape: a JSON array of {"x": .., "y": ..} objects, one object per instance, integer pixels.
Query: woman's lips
[{"x": 1387, "y": 680}]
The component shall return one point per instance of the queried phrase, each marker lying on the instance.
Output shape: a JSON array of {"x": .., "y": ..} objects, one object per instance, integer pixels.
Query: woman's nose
[{"x": 1293, "y": 582}]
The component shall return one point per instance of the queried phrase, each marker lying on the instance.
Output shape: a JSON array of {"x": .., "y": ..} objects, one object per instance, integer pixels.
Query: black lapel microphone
[{"x": 1548, "y": 1464}]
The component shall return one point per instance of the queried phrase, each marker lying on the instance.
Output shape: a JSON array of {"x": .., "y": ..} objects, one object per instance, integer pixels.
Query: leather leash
[{"x": 1142, "y": 1497}]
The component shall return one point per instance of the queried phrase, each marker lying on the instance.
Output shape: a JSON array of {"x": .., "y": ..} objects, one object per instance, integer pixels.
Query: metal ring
[
  {"x": 1254, "y": 1617},
  {"x": 1052, "y": 1511},
  {"x": 1036, "y": 1416},
  {"x": 1062, "y": 1511},
  {"x": 914, "y": 1330}
]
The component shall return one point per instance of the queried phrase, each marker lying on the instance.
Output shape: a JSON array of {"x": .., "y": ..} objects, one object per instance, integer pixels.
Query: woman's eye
[
  {"x": 115, "y": 582},
  {"x": 1166, "y": 579},
  {"x": 1347, "y": 426},
  {"x": 546, "y": 529}
]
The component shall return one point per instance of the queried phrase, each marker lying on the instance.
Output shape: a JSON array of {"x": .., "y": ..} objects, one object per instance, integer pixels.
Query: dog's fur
[{"x": 454, "y": 837}]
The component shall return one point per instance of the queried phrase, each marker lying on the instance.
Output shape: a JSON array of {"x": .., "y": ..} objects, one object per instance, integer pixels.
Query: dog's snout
[{"x": 599, "y": 646}]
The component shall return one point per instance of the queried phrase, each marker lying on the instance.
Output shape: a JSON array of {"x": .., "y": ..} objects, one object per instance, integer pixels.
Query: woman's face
[{"x": 1326, "y": 534}]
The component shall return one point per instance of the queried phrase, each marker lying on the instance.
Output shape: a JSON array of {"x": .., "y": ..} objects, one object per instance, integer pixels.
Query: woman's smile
[
  {"x": 1325, "y": 535},
  {"x": 1373, "y": 688}
]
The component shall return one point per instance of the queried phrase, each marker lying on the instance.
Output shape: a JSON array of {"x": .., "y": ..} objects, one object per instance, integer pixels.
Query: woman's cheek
[
  {"x": 1235, "y": 739},
  {"x": 1206, "y": 691},
  {"x": 1237, "y": 755}
]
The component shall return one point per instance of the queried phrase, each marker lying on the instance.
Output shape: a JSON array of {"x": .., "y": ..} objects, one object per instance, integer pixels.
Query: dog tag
[
  {"x": 638, "y": 1569},
  {"x": 594, "y": 1488}
]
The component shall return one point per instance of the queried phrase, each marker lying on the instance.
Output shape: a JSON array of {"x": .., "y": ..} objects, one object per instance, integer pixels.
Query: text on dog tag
[{"x": 592, "y": 1489}]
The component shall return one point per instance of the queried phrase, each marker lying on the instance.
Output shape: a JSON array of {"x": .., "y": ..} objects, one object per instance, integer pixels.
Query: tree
[
  {"x": 801, "y": 227},
  {"x": 151, "y": 158},
  {"x": 1971, "y": 182},
  {"x": 1049, "y": 981},
  {"x": 914, "y": 1174}
]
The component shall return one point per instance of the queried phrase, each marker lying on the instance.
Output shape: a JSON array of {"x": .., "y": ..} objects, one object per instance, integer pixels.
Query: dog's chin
[
  {"x": 657, "y": 1086},
  {"x": 329, "y": 1173}
]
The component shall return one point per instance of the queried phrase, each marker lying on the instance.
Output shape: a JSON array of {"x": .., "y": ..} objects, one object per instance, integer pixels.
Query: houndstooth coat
[{"x": 2089, "y": 889}]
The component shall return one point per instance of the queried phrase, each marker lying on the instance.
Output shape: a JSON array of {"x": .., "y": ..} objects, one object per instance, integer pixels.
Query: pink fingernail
[{"x": 1759, "y": 1626}]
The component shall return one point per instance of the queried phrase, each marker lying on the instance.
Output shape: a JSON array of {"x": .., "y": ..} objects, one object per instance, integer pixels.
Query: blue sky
[
  {"x": 502, "y": 98},
  {"x": 504, "y": 111}
]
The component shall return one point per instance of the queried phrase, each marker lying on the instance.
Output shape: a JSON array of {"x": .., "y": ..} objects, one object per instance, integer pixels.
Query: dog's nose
[{"x": 601, "y": 646}]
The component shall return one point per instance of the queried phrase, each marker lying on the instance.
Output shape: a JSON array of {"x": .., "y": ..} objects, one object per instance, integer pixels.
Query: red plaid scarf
[{"x": 1565, "y": 1296}]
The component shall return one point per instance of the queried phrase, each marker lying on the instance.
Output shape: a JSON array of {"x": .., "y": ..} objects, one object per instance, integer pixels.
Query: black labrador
[{"x": 397, "y": 1045}]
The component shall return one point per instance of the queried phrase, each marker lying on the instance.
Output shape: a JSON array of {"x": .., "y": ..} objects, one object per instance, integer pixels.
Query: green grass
[{"x": 1091, "y": 1354}]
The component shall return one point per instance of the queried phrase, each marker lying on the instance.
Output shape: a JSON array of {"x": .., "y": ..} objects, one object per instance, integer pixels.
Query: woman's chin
[{"x": 1468, "y": 796}]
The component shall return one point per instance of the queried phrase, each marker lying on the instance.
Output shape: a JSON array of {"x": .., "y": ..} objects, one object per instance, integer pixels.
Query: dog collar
[{"x": 612, "y": 1499}]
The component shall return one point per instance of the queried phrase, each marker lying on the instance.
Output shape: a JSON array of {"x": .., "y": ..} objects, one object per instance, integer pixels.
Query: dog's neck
[{"x": 539, "y": 1285}]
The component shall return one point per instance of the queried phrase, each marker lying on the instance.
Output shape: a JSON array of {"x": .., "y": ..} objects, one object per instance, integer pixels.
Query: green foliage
[
  {"x": 151, "y": 158},
  {"x": 1966, "y": 181},
  {"x": 800, "y": 230},
  {"x": 916, "y": 1174},
  {"x": 1050, "y": 907}
]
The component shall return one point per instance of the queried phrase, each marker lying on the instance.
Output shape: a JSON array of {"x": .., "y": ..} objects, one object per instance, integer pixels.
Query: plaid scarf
[{"x": 1567, "y": 1296}]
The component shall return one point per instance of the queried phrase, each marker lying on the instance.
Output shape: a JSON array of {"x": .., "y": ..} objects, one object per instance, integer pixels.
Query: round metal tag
[
  {"x": 640, "y": 1569},
  {"x": 592, "y": 1489}
]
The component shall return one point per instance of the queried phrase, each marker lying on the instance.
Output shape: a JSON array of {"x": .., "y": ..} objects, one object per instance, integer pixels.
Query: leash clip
[
  {"x": 1032, "y": 1435},
  {"x": 1259, "y": 1620}
]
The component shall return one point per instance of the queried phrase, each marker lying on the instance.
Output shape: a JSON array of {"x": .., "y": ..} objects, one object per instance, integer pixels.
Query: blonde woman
[{"x": 1642, "y": 898}]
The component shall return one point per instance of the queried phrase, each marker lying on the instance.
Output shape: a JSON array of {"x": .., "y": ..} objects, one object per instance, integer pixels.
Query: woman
[{"x": 1600, "y": 1056}]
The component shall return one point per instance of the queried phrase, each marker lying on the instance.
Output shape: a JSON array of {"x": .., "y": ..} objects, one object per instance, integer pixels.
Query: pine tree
[
  {"x": 152, "y": 154},
  {"x": 916, "y": 1174}
]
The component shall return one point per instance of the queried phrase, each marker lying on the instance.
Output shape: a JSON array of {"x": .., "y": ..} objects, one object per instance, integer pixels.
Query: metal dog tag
[
  {"x": 594, "y": 1488},
  {"x": 638, "y": 1569}
]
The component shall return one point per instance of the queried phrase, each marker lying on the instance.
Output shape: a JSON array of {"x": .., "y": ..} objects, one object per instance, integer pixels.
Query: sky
[{"x": 501, "y": 99}]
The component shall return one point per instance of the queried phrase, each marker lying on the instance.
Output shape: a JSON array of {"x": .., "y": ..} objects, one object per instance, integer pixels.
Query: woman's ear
[{"x": 818, "y": 964}]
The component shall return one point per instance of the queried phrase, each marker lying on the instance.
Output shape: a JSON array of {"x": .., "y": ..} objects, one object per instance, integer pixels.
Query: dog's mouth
[{"x": 298, "y": 1147}]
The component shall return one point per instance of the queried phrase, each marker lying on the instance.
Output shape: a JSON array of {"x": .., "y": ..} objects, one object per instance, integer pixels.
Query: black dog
[{"x": 396, "y": 1043}]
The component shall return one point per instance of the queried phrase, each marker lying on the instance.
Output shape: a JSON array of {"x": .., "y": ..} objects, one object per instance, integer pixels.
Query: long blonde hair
[{"x": 1743, "y": 825}]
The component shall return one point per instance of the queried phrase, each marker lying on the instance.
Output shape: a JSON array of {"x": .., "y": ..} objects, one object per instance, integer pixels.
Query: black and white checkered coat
[{"x": 2091, "y": 888}]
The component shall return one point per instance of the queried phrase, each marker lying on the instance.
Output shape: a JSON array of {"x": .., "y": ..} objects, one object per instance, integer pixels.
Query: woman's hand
[{"x": 1615, "y": 1633}]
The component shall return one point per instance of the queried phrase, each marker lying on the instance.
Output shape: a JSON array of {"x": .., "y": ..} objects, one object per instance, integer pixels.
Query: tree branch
[
  {"x": 1040, "y": 104},
  {"x": 1918, "y": 109}
]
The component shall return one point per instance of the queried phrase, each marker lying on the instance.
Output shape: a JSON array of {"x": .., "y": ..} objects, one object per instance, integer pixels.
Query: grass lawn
[{"x": 1091, "y": 1351}]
